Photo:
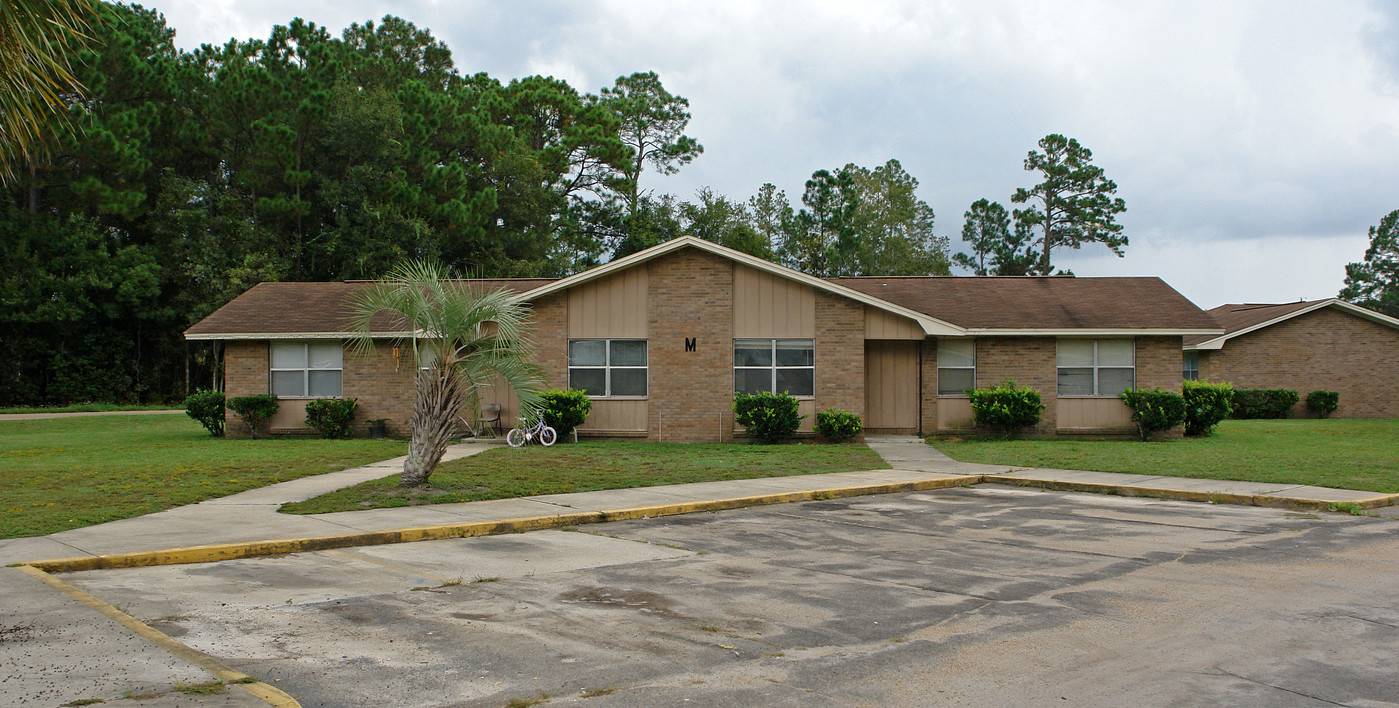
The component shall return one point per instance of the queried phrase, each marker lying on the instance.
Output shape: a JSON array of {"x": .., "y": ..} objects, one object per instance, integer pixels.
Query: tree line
[{"x": 189, "y": 176}]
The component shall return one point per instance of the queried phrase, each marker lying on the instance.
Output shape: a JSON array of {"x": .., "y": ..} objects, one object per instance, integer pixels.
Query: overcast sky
[{"x": 1254, "y": 142}]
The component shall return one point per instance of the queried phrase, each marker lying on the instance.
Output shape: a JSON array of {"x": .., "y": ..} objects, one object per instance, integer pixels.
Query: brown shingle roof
[
  {"x": 1015, "y": 303},
  {"x": 1234, "y": 317},
  {"x": 1052, "y": 303},
  {"x": 307, "y": 308}
]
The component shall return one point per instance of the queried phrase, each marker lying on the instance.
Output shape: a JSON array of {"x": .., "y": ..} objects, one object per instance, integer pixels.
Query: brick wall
[
  {"x": 1325, "y": 349},
  {"x": 1030, "y": 361},
  {"x": 549, "y": 338},
  {"x": 1033, "y": 361},
  {"x": 246, "y": 373},
  {"x": 690, "y": 295},
  {"x": 840, "y": 355},
  {"x": 382, "y": 392},
  {"x": 1159, "y": 363}
]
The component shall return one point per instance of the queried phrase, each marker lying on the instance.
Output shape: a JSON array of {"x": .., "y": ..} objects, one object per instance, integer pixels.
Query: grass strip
[
  {"x": 589, "y": 466},
  {"x": 1338, "y": 453}
]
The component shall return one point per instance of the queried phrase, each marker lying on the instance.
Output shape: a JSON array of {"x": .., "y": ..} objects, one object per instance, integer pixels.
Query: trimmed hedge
[
  {"x": 332, "y": 418},
  {"x": 206, "y": 407},
  {"x": 564, "y": 409},
  {"x": 1006, "y": 408},
  {"x": 1206, "y": 404},
  {"x": 838, "y": 425},
  {"x": 1323, "y": 403},
  {"x": 1251, "y": 403},
  {"x": 1154, "y": 410},
  {"x": 253, "y": 410},
  {"x": 769, "y": 417}
]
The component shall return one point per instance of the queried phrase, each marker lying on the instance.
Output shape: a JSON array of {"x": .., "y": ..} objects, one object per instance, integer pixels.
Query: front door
[{"x": 891, "y": 386}]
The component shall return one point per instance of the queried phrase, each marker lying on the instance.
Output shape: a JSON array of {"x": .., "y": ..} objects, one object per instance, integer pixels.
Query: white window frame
[
  {"x": 306, "y": 367},
  {"x": 607, "y": 366},
  {"x": 972, "y": 368},
  {"x": 773, "y": 367},
  {"x": 1190, "y": 366},
  {"x": 1097, "y": 387}
]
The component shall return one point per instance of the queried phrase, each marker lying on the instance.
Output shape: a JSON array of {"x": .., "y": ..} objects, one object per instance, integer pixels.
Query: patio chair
[{"x": 486, "y": 425}]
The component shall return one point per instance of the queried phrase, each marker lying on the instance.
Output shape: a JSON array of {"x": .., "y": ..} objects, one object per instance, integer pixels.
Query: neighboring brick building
[
  {"x": 1329, "y": 345},
  {"x": 661, "y": 339}
]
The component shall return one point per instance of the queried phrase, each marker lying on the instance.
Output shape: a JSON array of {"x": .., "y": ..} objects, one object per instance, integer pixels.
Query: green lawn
[
  {"x": 1345, "y": 453},
  {"x": 65, "y": 473},
  {"x": 582, "y": 467},
  {"x": 93, "y": 408}
]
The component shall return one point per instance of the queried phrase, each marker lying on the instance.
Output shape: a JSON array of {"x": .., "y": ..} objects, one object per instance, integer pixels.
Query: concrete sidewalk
[{"x": 252, "y": 516}]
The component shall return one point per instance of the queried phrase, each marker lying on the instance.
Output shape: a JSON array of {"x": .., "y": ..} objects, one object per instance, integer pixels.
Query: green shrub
[
  {"x": 253, "y": 410},
  {"x": 565, "y": 409},
  {"x": 1006, "y": 408},
  {"x": 332, "y": 418},
  {"x": 769, "y": 417},
  {"x": 1154, "y": 410},
  {"x": 1252, "y": 403},
  {"x": 1323, "y": 403},
  {"x": 838, "y": 425},
  {"x": 1205, "y": 405},
  {"x": 206, "y": 407}
]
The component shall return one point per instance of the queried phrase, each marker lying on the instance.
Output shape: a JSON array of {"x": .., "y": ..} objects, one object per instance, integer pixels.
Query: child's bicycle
[{"x": 524, "y": 433}]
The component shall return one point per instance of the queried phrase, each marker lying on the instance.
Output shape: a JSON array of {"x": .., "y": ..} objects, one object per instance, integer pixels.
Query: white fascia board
[
  {"x": 290, "y": 335},
  {"x": 931, "y": 325},
  {"x": 1358, "y": 311},
  {"x": 1378, "y": 317},
  {"x": 990, "y": 332}
]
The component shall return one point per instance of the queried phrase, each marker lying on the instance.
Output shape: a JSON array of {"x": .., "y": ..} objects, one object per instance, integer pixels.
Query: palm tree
[
  {"x": 465, "y": 339},
  {"x": 36, "y": 39}
]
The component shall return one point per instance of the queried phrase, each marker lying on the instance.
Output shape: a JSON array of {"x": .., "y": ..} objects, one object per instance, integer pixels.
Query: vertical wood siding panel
[
  {"x": 1094, "y": 414},
  {"x": 616, "y": 417},
  {"x": 767, "y": 305},
  {"x": 884, "y": 325},
  {"x": 613, "y": 307},
  {"x": 955, "y": 414}
]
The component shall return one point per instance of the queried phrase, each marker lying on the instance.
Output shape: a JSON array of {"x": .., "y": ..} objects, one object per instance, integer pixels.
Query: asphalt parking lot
[{"x": 985, "y": 596}]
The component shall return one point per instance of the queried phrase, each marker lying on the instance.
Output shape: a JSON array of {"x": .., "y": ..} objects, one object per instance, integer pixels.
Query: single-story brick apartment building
[
  {"x": 1328, "y": 344},
  {"x": 662, "y": 339}
]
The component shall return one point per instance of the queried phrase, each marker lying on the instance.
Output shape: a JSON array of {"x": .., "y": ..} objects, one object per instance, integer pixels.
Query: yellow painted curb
[
  {"x": 1266, "y": 500},
  {"x": 231, "y": 551},
  {"x": 254, "y": 549},
  {"x": 268, "y": 694}
]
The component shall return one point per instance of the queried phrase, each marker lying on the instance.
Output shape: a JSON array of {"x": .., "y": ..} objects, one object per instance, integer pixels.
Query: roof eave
[
  {"x": 232, "y": 336},
  {"x": 1091, "y": 332}
]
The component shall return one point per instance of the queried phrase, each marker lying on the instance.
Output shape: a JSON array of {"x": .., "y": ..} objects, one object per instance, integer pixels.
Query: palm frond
[{"x": 37, "y": 41}]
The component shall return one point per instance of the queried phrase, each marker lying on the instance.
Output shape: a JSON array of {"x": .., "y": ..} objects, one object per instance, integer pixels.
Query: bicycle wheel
[
  {"x": 515, "y": 438},
  {"x": 547, "y": 436}
]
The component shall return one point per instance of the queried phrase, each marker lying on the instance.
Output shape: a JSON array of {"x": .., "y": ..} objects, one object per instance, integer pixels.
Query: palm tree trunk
[{"x": 434, "y": 420}]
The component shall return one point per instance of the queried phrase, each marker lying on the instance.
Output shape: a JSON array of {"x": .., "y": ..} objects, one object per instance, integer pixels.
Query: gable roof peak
[
  {"x": 930, "y": 325},
  {"x": 1240, "y": 319}
]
